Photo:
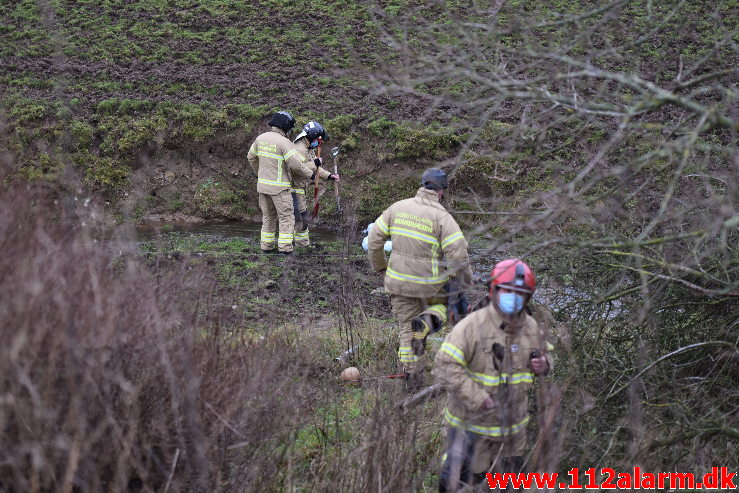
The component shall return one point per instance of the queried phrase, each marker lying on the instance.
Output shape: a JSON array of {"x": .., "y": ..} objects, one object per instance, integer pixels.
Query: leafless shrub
[
  {"x": 116, "y": 377},
  {"x": 602, "y": 147},
  {"x": 115, "y": 380}
]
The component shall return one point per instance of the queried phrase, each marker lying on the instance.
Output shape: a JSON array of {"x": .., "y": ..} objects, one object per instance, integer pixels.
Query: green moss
[
  {"x": 381, "y": 127},
  {"x": 44, "y": 167},
  {"x": 339, "y": 126},
  {"x": 82, "y": 135},
  {"x": 127, "y": 137},
  {"x": 101, "y": 172},
  {"x": 351, "y": 142},
  {"x": 27, "y": 10},
  {"x": 233, "y": 272},
  {"x": 115, "y": 106},
  {"x": 379, "y": 195},
  {"x": 433, "y": 141},
  {"x": 26, "y": 112}
]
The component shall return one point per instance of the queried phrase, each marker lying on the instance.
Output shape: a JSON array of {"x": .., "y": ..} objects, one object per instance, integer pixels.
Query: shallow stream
[
  {"x": 230, "y": 229},
  {"x": 482, "y": 261}
]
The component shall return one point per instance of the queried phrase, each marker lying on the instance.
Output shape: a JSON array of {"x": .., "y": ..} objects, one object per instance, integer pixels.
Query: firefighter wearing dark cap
[
  {"x": 487, "y": 364},
  {"x": 275, "y": 160},
  {"x": 429, "y": 250}
]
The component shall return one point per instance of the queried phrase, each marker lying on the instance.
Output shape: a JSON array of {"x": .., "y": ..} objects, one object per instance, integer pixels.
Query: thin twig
[{"x": 171, "y": 471}]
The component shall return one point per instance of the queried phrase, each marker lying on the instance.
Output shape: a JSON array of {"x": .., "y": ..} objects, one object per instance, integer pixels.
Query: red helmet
[{"x": 514, "y": 274}]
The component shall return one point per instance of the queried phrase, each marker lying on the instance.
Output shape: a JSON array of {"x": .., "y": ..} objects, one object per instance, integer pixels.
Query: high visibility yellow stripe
[
  {"x": 491, "y": 431},
  {"x": 381, "y": 224},
  {"x": 415, "y": 279},
  {"x": 405, "y": 354},
  {"x": 279, "y": 159},
  {"x": 274, "y": 183},
  {"x": 526, "y": 377},
  {"x": 301, "y": 236},
  {"x": 298, "y": 190},
  {"x": 495, "y": 380},
  {"x": 409, "y": 233},
  {"x": 451, "y": 239},
  {"x": 269, "y": 154},
  {"x": 424, "y": 333},
  {"x": 487, "y": 380},
  {"x": 454, "y": 352},
  {"x": 285, "y": 238},
  {"x": 434, "y": 261},
  {"x": 439, "y": 310}
]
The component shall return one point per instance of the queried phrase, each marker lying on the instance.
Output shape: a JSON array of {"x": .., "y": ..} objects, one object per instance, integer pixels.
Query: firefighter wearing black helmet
[
  {"x": 487, "y": 364},
  {"x": 276, "y": 161},
  {"x": 429, "y": 249},
  {"x": 306, "y": 143}
]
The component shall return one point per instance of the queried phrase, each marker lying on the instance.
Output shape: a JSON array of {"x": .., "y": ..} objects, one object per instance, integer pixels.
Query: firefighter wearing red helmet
[{"x": 487, "y": 364}]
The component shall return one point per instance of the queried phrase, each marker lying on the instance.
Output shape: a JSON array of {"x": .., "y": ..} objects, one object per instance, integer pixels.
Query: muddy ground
[{"x": 223, "y": 53}]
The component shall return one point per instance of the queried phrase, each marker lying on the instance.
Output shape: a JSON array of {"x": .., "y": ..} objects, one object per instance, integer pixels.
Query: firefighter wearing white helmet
[
  {"x": 275, "y": 161},
  {"x": 306, "y": 143},
  {"x": 487, "y": 364},
  {"x": 429, "y": 250}
]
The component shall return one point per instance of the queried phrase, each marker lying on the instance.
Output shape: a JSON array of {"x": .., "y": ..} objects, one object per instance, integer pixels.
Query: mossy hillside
[
  {"x": 380, "y": 159},
  {"x": 228, "y": 52},
  {"x": 122, "y": 136},
  {"x": 135, "y": 49},
  {"x": 244, "y": 39}
]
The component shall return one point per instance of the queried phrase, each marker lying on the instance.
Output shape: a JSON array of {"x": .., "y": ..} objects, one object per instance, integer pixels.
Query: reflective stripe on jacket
[
  {"x": 275, "y": 161},
  {"x": 469, "y": 368},
  {"x": 428, "y": 246},
  {"x": 307, "y": 155}
]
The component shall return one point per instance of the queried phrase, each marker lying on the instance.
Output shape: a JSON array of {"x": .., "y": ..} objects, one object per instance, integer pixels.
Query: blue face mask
[{"x": 510, "y": 303}]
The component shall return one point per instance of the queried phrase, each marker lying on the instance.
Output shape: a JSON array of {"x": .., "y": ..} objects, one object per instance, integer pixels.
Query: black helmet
[
  {"x": 434, "y": 179},
  {"x": 282, "y": 120},
  {"x": 312, "y": 131}
]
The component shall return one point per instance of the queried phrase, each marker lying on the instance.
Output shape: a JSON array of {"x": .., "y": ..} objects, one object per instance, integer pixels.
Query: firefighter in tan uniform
[
  {"x": 275, "y": 161},
  {"x": 312, "y": 136},
  {"x": 487, "y": 365},
  {"x": 428, "y": 250}
]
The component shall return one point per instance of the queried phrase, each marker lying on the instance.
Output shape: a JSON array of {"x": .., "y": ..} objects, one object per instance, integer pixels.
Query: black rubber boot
[
  {"x": 463, "y": 460},
  {"x": 413, "y": 382},
  {"x": 268, "y": 251},
  {"x": 422, "y": 326}
]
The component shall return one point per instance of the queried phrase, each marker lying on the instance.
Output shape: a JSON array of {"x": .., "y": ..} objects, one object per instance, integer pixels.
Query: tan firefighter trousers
[
  {"x": 277, "y": 209},
  {"x": 406, "y": 309}
]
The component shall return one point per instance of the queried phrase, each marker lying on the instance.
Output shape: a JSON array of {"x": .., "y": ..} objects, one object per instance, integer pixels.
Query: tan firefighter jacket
[
  {"x": 299, "y": 183},
  {"x": 483, "y": 356},
  {"x": 275, "y": 161},
  {"x": 428, "y": 246}
]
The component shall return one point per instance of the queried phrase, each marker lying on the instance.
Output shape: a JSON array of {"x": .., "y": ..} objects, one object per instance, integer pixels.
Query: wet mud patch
[{"x": 259, "y": 292}]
